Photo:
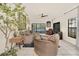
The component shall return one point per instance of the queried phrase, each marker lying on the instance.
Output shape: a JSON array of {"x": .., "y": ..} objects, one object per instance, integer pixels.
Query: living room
[{"x": 26, "y": 25}]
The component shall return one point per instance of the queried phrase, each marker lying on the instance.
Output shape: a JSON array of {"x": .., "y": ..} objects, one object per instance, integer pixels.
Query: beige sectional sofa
[{"x": 46, "y": 47}]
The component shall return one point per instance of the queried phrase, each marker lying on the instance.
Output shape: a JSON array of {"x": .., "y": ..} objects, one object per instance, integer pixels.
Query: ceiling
[{"x": 53, "y": 10}]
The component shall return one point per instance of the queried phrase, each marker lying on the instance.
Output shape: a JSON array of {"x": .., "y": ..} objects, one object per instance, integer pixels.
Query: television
[{"x": 56, "y": 27}]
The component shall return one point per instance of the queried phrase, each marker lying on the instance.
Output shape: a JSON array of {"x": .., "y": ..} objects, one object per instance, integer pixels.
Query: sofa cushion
[
  {"x": 37, "y": 36},
  {"x": 28, "y": 39}
]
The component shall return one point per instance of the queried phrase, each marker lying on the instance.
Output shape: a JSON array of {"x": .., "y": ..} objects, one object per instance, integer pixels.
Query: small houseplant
[{"x": 11, "y": 52}]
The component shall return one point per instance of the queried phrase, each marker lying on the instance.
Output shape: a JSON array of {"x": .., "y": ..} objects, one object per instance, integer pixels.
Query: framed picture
[{"x": 48, "y": 23}]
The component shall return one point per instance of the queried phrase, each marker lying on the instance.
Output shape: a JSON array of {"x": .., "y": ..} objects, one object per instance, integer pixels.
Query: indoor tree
[
  {"x": 11, "y": 17},
  {"x": 21, "y": 16}
]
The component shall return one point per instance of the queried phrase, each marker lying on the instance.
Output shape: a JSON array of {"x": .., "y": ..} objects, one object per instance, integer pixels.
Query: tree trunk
[{"x": 6, "y": 46}]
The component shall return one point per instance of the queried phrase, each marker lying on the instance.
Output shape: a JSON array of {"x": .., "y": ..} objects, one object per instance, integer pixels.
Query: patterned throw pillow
[{"x": 51, "y": 38}]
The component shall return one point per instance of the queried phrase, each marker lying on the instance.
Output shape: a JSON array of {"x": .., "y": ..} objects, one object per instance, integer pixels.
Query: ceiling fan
[{"x": 43, "y": 15}]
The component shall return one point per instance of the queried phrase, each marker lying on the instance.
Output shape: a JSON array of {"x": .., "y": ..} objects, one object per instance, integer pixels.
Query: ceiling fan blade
[{"x": 44, "y": 16}]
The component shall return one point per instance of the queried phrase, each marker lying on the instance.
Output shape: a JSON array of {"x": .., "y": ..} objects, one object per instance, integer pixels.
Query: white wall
[
  {"x": 64, "y": 25},
  {"x": 77, "y": 41},
  {"x": 2, "y": 42}
]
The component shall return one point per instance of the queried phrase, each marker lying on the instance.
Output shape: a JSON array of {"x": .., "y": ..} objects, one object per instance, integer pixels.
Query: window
[
  {"x": 38, "y": 27},
  {"x": 72, "y": 26}
]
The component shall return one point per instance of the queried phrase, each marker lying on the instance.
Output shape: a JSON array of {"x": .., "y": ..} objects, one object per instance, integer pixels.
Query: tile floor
[{"x": 66, "y": 49}]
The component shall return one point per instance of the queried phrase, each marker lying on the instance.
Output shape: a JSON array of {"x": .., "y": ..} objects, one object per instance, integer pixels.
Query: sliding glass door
[{"x": 39, "y": 27}]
